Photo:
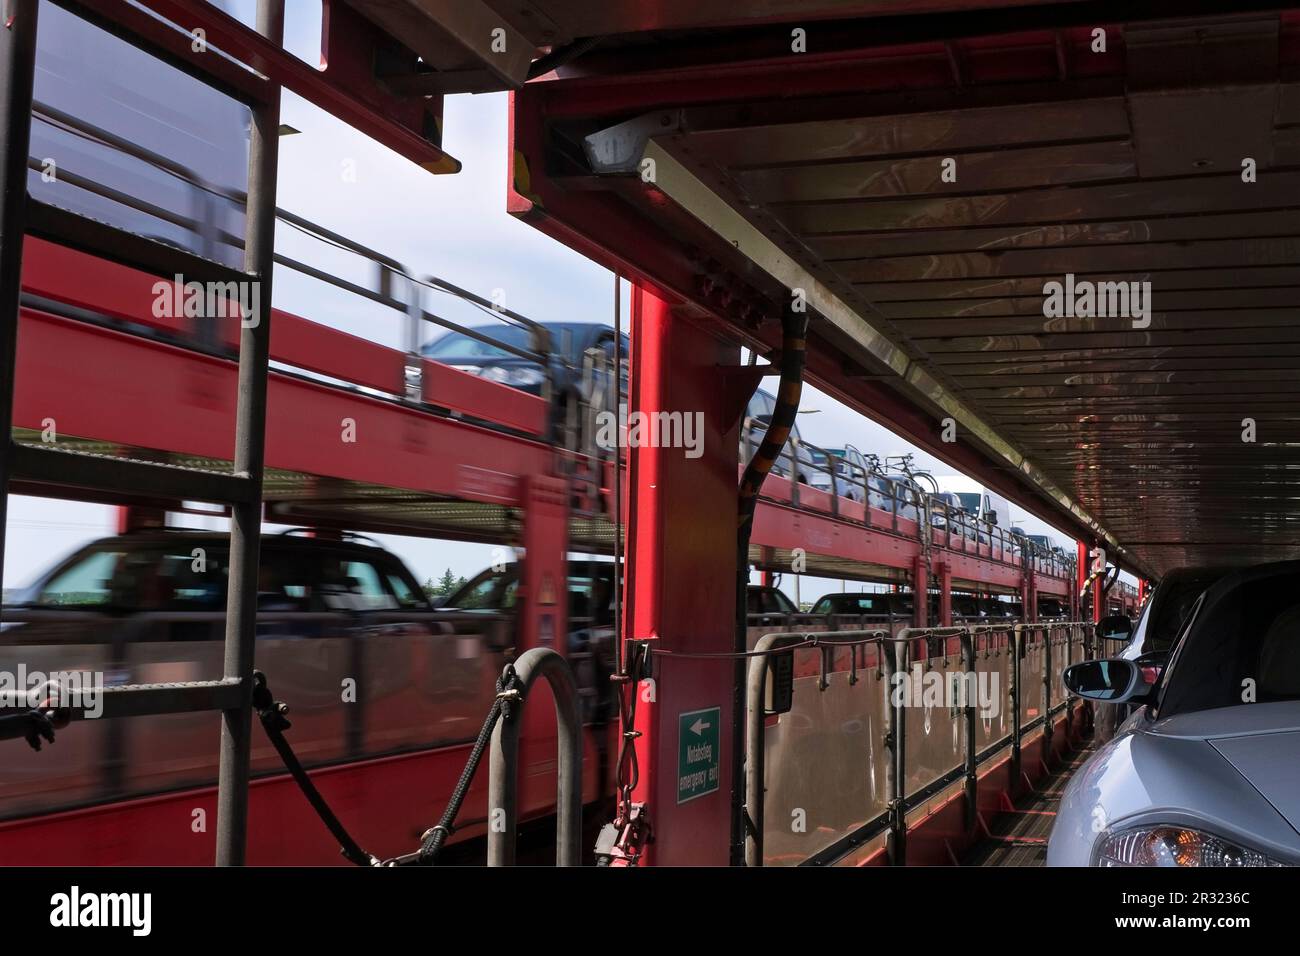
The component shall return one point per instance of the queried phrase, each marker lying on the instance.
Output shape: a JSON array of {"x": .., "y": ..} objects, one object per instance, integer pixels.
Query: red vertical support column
[
  {"x": 1029, "y": 594},
  {"x": 1098, "y": 598},
  {"x": 139, "y": 518},
  {"x": 681, "y": 587},
  {"x": 920, "y": 593},
  {"x": 544, "y": 581},
  {"x": 945, "y": 594},
  {"x": 769, "y": 558},
  {"x": 1082, "y": 563},
  {"x": 544, "y": 607}
]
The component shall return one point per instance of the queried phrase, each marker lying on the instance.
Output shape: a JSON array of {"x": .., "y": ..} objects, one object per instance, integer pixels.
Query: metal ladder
[{"x": 119, "y": 477}]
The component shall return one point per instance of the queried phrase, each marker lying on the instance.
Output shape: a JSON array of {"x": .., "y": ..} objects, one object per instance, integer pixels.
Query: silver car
[{"x": 1207, "y": 771}]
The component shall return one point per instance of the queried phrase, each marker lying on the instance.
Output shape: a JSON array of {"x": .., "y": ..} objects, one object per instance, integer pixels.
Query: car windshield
[
  {"x": 489, "y": 590},
  {"x": 459, "y": 346},
  {"x": 970, "y": 501},
  {"x": 1241, "y": 646},
  {"x": 852, "y": 604},
  {"x": 184, "y": 574},
  {"x": 1163, "y": 617},
  {"x": 86, "y": 582}
]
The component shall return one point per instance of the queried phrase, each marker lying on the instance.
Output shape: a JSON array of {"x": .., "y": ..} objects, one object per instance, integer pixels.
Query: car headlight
[
  {"x": 1163, "y": 845},
  {"x": 516, "y": 376}
]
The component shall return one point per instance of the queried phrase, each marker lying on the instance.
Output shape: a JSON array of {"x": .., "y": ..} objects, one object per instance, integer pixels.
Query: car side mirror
[
  {"x": 1111, "y": 681},
  {"x": 1115, "y": 627}
]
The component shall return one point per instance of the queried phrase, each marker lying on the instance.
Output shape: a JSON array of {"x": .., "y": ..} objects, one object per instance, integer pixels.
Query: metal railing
[
  {"x": 1048, "y": 646},
  {"x": 900, "y": 496},
  {"x": 394, "y": 285}
]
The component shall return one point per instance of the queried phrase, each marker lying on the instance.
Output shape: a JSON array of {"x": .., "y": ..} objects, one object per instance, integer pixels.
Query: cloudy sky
[{"x": 452, "y": 226}]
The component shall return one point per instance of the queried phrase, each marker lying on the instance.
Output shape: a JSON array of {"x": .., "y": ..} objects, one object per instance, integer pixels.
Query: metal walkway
[{"x": 1018, "y": 836}]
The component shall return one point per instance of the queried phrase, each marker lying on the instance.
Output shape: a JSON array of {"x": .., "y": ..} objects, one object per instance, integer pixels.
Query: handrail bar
[{"x": 503, "y": 769}]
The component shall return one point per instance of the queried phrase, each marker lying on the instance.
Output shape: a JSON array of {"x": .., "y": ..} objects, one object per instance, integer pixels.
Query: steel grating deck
[{"x": 1018, "y": 837}]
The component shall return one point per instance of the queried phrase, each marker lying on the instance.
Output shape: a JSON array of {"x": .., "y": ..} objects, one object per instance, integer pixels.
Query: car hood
[
  {"x": 1260, "y": 741},
  {"x": 1243, "y": 720},
  {"x": 1271, "y": 764}
]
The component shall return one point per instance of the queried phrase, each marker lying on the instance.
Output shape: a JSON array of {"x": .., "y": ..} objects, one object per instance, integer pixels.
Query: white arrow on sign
[{"x": 699, "y": 727}]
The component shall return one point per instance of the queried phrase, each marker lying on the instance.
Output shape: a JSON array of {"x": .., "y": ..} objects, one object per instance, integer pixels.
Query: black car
[
  {"x": 966, "y": 609},
  {"x": 590, "y": 647},
  {"x": 767, "y": 606},
  {"x": 178, "y": 571},
  {"x": 1051, "y": 609},
  {"x": 878, "y": 604},
  {"x": 997, "y": 610},
  {"x": 345, "y": 636},
  {"x": 590, "y": 588}
]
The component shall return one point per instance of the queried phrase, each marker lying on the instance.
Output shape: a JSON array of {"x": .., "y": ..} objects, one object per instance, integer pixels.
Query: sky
[{"x": 454, "y": 226}]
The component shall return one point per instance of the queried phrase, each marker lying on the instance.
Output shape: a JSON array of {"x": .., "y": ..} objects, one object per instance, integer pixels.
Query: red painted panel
[
  {"x": 120, "y": 292},
  {"x": 152, "y": 395},
  {"x": 318, "y": 348},
  {"x": 87, "y": 282},
  {"x": 451, "y": 388}
]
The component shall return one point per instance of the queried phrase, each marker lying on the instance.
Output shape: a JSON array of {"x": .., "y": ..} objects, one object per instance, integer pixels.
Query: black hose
[
  {"x": 271, "y": 713},
  {"x": 434, "y": 838}
]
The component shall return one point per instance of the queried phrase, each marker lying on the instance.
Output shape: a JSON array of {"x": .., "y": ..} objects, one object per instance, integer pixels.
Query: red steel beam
[{"x": 347, "y": 92}]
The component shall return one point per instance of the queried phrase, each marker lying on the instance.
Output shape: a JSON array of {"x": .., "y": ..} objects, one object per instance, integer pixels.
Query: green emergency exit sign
[{"x": 698, "y": 753}]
